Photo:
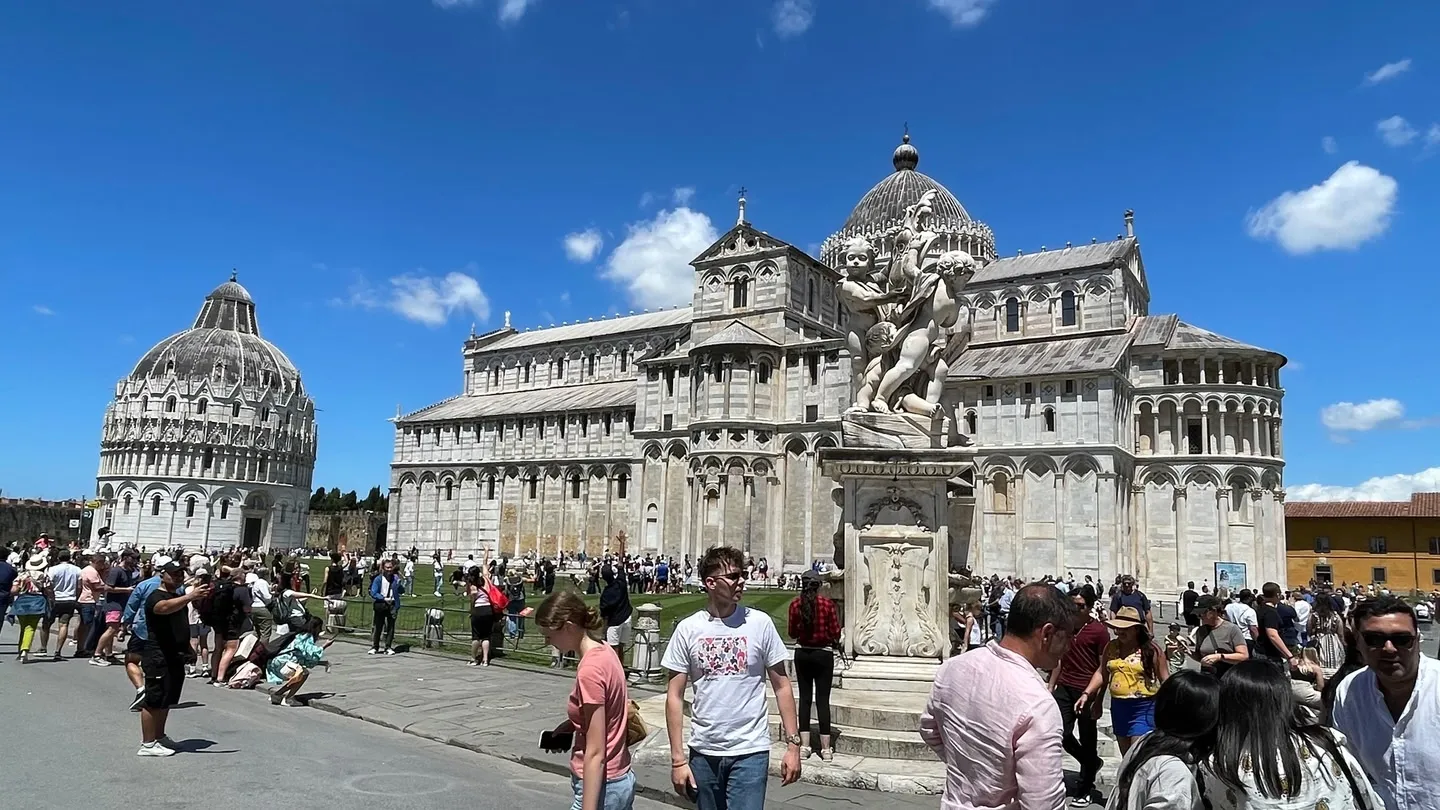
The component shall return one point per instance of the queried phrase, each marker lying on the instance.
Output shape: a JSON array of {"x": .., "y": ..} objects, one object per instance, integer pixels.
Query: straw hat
[
  {"x": 1125, "y": 617},
  {"x": 37, "y": 562}
]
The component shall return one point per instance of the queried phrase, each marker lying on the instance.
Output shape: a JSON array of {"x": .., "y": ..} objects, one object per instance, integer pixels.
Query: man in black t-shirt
[
  {"x": 1130, "y": 596},
  {"x": 1269, "y": 643},
  {"x": 164, "y": 656},
  {"x": 1187, "y": 605}
]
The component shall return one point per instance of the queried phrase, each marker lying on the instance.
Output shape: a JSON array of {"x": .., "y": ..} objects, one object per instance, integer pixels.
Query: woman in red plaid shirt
[{"x": 815, "y": 626}]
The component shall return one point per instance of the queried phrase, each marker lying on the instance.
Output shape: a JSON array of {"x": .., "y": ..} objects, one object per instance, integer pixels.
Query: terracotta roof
[{"x": 1421, "y": 504}]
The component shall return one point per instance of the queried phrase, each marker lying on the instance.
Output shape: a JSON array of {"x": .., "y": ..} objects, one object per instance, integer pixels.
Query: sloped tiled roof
[
  {"x": 1064, "y": 356},
  {"x": 1421, "y": 504},
  {"x": 1154, "y": 330},
  {"x": 592, "y": 329},
  {"x": 591, "y": 396},
  {"x": 1078, "y": 257},
  {"x": 737, "y": 334},
  {"x": 1189, "y": 336}
]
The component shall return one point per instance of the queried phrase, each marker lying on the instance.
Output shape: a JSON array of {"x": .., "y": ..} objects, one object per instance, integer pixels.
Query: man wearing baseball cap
[
  {"x": 134, "y": 618},
  {"x": 164, "y": 657}
]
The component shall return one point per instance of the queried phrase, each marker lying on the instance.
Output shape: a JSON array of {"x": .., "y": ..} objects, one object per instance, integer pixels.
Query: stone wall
[
  {"x": 351, "y": 530},
  {"x": 23, "y": 519}
]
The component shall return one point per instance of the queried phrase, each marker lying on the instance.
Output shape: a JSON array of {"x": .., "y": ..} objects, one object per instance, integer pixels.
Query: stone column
[
  {"x": 1060, "y": 476},
  {"x": 812, "y": 463},
  {"x": 748, "y": 484},
  {"x": 1139, "y": 530},
  {"x": 170, "y": 530},
  {"x": 722, "y": 503},
  {"x": 610, "y": 510},
  {"x": 1108, "y": 502},
  {"x": 1255, "y": 434},
  {"x": 1222, "y": 500},
  {"x": 1204, "y": 427},
  {"x": 540, "y": 517},
  {"x": 660, "y": 502},
  {"x": 1017, "y": 508},
  {"x": 686, "y": 541},
  {"x": 1181, "y": 505},
  {"x": 205, "y": 541}
]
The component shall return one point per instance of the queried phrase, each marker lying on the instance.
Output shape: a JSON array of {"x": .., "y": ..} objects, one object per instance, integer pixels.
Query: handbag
[
  {"x": 498, "y": 600},
  {"x": 635, "y": 729}
]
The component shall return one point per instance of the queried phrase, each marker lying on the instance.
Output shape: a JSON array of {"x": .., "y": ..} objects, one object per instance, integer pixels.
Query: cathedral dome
[
  {"x": 883, "y": 207},
  {"x": 224, "y": 345}
]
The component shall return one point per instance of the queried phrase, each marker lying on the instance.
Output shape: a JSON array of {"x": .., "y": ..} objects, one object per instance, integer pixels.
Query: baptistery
[{"x": 210, "y": 441}]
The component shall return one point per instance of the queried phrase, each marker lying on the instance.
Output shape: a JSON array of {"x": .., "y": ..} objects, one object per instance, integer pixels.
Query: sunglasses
[
  {"x": 733, "y": 576},
  {"x": 1376, "y": 640}
]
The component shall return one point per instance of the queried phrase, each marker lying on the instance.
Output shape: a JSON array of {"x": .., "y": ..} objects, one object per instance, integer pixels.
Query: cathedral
[
  {"x": 209, "y": 442},
  {"x": 1106, "y": 439}
]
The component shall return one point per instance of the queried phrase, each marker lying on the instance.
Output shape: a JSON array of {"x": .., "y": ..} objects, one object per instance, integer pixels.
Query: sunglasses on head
[{"x": 1376, "y": 640}]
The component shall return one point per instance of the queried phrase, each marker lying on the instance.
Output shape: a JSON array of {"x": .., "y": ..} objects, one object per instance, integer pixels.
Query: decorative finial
[
  {"x": 233, "y": 274},
  {"x": 472, "y": 329},
  {"x": 740, "y": 220},
  {"x": 906, "y": 157},
  {"x": 507, "y": 319},
  {"x": 1129, "y": 222}
]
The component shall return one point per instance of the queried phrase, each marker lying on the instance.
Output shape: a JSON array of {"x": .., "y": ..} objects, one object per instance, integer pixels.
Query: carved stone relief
[{"x": 898, "y": 598}]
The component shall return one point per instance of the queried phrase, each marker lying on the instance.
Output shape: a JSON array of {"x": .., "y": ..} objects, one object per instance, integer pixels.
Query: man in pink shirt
[{"x": 991, "y": 717}]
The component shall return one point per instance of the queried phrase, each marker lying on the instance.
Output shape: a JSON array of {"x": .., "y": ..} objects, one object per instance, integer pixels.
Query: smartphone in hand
[{"x": 557, "y": 742}]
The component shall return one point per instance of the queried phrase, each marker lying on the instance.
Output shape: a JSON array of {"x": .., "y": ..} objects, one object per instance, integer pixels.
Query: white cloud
[
  {"x": 683, "y": 195},
  {"x": 1329, "y": 145},
  {"x": 1432, "y": 136},
  {"x": 449, "y": 4},
  {"x": 512, "y": 10},
  {"x": 430, "y": 300},
  {"x": 1397, "y": 487},
  {"x": 1387, "y": 71},
  {"x": 1363, "y": 416},
  {"x": 583, "y": 246},
  {"x": 962, "y": 13},
  {"x": 41, "y": 309},
  {"x": 792, "y": 18},
  {"x": 1396, "y": 131},
  {"x": 648, "y": 199},
  {"x": 1351, "y": 207},
  {"x": 653, "y": 263}
]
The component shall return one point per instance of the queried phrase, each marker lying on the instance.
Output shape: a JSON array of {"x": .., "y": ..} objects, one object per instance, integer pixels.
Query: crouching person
[{"x": 291, "y": 666}]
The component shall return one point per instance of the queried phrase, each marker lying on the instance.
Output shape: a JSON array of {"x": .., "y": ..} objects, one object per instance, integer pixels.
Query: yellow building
[{"x": 1391, "y": 543}]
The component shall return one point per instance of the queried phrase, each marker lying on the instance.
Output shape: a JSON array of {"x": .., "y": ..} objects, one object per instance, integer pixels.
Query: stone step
[{"x": 857, "y": 683}]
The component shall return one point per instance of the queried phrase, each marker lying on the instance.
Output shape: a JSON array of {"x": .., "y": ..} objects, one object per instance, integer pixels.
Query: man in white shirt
[
  {"x": 439, "y": 573},
  {"x": 1390, "y": 710},
  {"x": 409, "y": 574},
  {"x": 727, "y": 651},
  {"x": 1242, "y": 614},
  {"x": 1302, "y": 615},
  {"x": 65, "y": 582},
  {"x": 260, "y": 599}
]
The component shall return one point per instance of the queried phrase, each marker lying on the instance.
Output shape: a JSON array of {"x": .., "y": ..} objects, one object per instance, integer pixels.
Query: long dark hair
[
  {"x": 808, "y": 598},
  {"x": 1259, "y": 721},
  {"x": 1187, "y": 707},
  {"x": 1148, "y": 653},
  {"x": 1353, "y": 662}
]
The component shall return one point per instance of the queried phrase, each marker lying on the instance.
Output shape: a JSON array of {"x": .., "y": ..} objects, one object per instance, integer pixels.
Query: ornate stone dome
[
  {"x": 883, "y": 207},
  {"x": 224, "y": 345}
]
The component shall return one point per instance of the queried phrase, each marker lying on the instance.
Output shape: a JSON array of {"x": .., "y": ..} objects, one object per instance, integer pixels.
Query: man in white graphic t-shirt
[{"x": 727, "y": 651}]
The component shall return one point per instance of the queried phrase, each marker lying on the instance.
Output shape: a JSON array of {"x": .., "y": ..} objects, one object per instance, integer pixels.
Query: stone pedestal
[
  {"x": 896, "y": 559},
  {"x": 645, "y": 659}
]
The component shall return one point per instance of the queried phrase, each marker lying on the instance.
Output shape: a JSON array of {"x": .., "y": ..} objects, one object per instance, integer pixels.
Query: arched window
[
  {"x": 495, "y": 375},
  {"x": 144, "y": 404},
  {"x": 741, "y": 293},
  {"x": 972, "y": 423},
  {"x": 534, "y": 483},
  {"x": 584, "y": 424},
  {"x": 1067, "y": 308},
  {"x": 489, "y": 487},
  {"x": 575, "y": 485},
  {"x": 622, "y": 486},
  {"x": 526, "y": 372},
  {"x": 1012, "y": 314},
  {"x": 607, "y": 424},
  {"x": 235, "y": 410},
  {"x": 127, "y": 503},
  {"x": 155, "y": 505},
  {"x": 200, "y": 408},
  {"x": 190, "y": 507},
  {"x": 1239, "y": 504},
  {"x": 624, "y": 359},
  {"x": 169, "y": 366},
  {"x": 1049, "y": 416},
  {"x": 225, "y": 509},
  {"x": 449, "y": 490},
  {"x": 590, "y": 363},
  {"x": 762, "y": 374},
  {"x": 810, "y": 297},
  {"x": 1001, "y": 485}
]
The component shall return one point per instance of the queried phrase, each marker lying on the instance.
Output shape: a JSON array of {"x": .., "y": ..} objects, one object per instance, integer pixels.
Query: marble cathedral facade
[{"x": 1106, "y": 439}]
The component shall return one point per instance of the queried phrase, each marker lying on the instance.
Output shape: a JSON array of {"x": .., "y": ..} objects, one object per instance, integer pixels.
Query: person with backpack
[
  {"x": 289, "y": 611},
  {"x": 290, "y": 666},
  {"x": 385, "y": 590},
  {"x": 229, "y": 618}
]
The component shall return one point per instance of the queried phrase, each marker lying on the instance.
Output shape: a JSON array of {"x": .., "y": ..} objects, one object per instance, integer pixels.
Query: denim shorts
[{"x": 619, "y": 793}]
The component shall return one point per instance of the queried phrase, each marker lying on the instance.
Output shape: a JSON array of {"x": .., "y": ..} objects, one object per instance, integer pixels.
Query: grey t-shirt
[{"x": 1224, "y": 638}]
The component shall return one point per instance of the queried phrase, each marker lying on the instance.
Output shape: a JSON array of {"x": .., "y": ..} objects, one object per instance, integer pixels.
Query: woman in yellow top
[{"x": 1133, "y": 666}]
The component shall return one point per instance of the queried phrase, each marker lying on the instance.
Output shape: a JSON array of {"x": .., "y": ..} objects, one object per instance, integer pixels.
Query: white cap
[{"x": 160, "y": 560}]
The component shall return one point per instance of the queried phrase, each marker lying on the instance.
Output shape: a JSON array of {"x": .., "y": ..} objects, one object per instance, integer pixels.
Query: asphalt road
[{"x": 70, "y": 739}]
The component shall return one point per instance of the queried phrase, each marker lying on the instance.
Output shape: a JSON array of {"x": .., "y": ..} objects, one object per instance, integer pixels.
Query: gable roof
[
  {"x": 591, "y": 396},
  {"x": 590, "y": 330},
  {"x": 1078, "y": 257},
  {"x": 1064, "y": 356},
  {"x": 737, "y": 334}
]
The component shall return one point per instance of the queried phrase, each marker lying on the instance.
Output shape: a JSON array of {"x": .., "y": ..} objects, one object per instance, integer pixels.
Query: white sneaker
[
  {"x": 373, "y": 651},
  {"x": 99, "y": 662},
  {"x": 166, "y": 742},
  {"x": 389, "y": 651},
  {"x": 154, "y": 749}
]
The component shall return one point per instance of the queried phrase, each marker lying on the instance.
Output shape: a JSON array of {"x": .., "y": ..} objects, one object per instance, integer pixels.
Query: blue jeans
[
  {"x": 619, "y": 793},
  {"x": 92, "y": 617},
  {"x": 730, "y": 783}
]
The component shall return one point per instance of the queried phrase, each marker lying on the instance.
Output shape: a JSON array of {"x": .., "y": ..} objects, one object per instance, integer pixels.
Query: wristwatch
[{"x": 793, "y": 739}]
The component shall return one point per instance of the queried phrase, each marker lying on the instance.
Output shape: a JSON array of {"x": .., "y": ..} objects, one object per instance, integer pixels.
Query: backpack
[
  {"x": 498, "y": 600},
  {"x": 267, "y": 648}
]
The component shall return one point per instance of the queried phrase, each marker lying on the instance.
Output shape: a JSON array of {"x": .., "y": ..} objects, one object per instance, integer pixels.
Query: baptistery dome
[
  {"x": 883, "y": 208},
  {"x": 210, "y": 440}
]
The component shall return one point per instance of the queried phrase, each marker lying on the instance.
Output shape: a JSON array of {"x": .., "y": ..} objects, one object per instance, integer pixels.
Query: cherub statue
[
  {"x": 865, "y": 298},
  {"x": 932, "y": 334}
]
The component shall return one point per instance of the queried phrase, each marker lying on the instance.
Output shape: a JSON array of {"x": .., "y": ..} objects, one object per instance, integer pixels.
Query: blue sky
[{"x": 384, "y": 173}]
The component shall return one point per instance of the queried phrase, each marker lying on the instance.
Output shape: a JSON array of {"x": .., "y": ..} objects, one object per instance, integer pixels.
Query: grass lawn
[{"x": 673, "y": 607}]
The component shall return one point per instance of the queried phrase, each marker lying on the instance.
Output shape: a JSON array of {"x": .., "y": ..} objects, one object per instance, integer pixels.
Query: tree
[
  {"x": 375, "y": 501},
  {"x": 332, "y": 500},
  {"x": 349, "y": 500},
  {"x": 317, "y": 501}
]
